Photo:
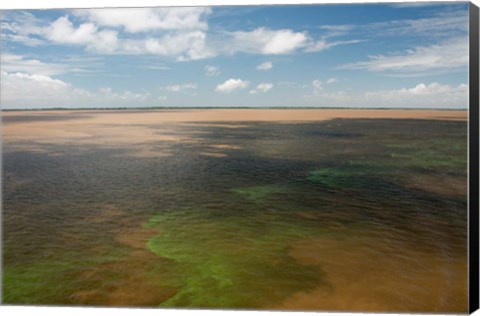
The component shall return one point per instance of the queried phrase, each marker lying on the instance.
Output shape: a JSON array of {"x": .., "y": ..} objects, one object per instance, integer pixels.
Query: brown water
[{"x": 305, "y": 210}]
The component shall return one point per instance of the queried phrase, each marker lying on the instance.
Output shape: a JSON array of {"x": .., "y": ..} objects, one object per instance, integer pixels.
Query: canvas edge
[{"x": 474, "y": 160}]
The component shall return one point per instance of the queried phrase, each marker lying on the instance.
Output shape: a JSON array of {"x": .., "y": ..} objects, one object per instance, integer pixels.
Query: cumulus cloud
[
  {"x": 181, "y": 87},
  {"x": 422, "y": 95},
  {"x": 45, "y": 91},
  {"x": 182, "y": 46},
  {"x": 277, "y": 42},
  {"x": 177, "y": 33},
  {"x": 332, "y": 80},
  {"x": 211, "y": 71},
  {"x": 422, "y": 90},
  {"x": 262, "y": 88},
  {"x": 63, "y": 31},
  {"x": 265, "y": 66},
  {"x": 432, "y": 95},
  {"x": 232, "y": 85},
  {"x": 134, "y": 20},
  {"x": 266, "y": 41},
  {"x": 448, "y": 55},
  {"x": 41, "y": 89}
]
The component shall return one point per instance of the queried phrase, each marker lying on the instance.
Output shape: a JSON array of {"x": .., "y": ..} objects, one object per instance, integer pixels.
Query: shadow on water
[{"x": 262, "y": 215}]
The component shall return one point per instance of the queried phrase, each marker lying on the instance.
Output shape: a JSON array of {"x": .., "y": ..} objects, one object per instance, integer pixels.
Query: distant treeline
[{"x": 226, "y": 108}]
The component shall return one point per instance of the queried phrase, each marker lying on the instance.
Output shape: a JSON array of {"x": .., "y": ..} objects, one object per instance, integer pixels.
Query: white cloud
[
  {"x": 162, "y": 98},
  {"x": 442, "y": 24},
  {"x": 63, "y": 31},
  {"x": 13, "y": 63},
  {"x": 422, "y": 90},
  {"x": 107, "y": 94},
  {"x": 338, "y": 29},
  {"x": 183, "y": 37},
  {"x": 134, "y": 20},
  {"x": 231, "y": 85},
  {"x": 422, "y": 95},
  {"x": 178, "y": 33},
  {"x": 266, "y": 41},
  {"x": 262, "y": 88},
  {"x": 157, "y": 67},
  {"x": 22, "y": 27},
  {"x": 181, "y": 34},
  {"x": 317, "y": 85},
  {"x": 182, "y": 46},
  {"x": 448, "y": 55},
  {"x": 211, "y": 71},
  {"x": 181, "y": 87},
  {"x": 276, "y": 42},
  {"x": 45, "y": 91},
  {"x": 292, "y": 84},
  {"x": 415, "y": 4},
  {"x": 18, "y": 63},
  {"x": 265, "y": 66},
  {"x": 21, "y": 38},
  {"x": 322, "y": 45},
  {"x": 41, "y": 89}
]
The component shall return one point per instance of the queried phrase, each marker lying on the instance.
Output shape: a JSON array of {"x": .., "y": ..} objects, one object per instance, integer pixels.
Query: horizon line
[{"x": 233, "y": 107}]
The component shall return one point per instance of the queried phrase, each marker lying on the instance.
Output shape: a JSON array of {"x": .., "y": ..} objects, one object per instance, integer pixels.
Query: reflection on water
[{"x": 357, "y": 215}]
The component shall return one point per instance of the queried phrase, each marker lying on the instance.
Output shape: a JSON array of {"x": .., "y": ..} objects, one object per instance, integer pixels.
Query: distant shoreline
[
  {"x": 169, "y": 115},
  {"x": 229, "y": 108}
]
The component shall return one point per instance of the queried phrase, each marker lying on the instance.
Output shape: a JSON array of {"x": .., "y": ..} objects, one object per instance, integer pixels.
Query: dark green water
[{"x": 362, "y": 215}]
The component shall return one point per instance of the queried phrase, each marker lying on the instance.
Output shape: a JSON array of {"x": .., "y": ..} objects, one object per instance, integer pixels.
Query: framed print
[{"x": 291, "y": 157}]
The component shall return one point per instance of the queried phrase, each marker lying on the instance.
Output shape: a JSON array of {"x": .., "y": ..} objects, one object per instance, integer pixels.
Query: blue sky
[{"x": 354, "y": 55}]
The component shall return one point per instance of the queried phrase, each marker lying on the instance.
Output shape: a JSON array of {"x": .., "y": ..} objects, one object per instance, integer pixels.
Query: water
[{"x": 346, "y": 214}]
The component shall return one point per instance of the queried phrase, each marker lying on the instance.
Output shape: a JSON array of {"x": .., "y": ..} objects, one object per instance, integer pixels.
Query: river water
[{"x": 337, "y": 215}]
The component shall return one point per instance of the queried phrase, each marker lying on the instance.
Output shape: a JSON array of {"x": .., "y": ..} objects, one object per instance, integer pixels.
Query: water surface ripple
[{"x": 342, "y": 214}]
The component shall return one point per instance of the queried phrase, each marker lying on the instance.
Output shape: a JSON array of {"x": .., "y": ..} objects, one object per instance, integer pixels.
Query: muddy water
[{"x": 352, "y": 214}]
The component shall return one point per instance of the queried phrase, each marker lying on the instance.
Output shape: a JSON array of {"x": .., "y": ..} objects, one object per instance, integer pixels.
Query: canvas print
[{"x": 301, "y": 157}]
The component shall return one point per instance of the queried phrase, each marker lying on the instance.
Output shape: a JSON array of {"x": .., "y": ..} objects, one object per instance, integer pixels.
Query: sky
[{"x": 408, "y": 55}]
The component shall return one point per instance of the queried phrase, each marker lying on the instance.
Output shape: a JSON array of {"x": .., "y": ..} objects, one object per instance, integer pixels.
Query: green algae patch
[
  {"x": 259, "y": 193},
  {"x": 233, "y": 262},
  {"x": 448, "y": 153},
  {"x": 330, "y": 177},
  {"x": 52, "y": 281},
  {"x": 438, "y": 154},
  {"x": 432, "y": 159},
  {"x": 41, "y": 283},
  {"x": 358, "y": 176}
]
